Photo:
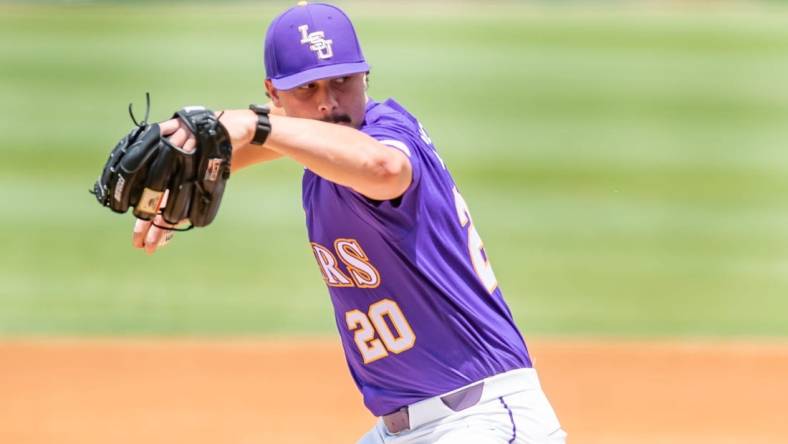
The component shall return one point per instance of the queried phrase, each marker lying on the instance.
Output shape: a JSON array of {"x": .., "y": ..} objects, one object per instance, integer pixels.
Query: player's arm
[
  {"x": 338, "y": 153},
  {"x": 342, "y": 155},
  {"x": 245, "y": 153},
  {"x": 251, "y": 154}
]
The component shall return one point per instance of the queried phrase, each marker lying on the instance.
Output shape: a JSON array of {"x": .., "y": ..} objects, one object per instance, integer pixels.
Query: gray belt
[{"x": 399, "y": 420}]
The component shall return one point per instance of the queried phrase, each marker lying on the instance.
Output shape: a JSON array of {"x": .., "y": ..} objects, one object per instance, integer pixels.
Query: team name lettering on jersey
[
  {"x": 329, "y": 267},
  {"x": 361, "y": 270},
  {"x": 362, "y": 273}
]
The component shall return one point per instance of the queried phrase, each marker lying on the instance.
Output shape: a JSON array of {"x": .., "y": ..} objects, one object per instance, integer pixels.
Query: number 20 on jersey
[{"x": 383, "y": 329}]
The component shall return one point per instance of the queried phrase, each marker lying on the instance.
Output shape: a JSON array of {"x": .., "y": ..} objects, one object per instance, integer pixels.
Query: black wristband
[{"x": 263, "y": 124}]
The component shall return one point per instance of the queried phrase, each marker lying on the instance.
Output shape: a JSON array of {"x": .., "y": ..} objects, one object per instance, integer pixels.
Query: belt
[
  {"x": 421, "y": 412},
  {"x": 399, "y": 421}
]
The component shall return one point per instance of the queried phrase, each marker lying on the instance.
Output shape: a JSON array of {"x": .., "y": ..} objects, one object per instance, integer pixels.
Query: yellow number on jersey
[
  {"x": 475, "y": 245},
  {"x": 373, "y": 337}
]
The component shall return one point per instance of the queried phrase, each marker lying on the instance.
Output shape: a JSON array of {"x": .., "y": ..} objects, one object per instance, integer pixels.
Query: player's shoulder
[{"x": 389, "y": 114}]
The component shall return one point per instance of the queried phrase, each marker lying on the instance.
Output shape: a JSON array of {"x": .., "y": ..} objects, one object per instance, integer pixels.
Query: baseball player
[{"x": 428, "y": 338}]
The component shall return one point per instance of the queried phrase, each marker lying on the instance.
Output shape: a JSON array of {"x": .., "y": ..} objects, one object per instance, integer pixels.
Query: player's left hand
[
  {"x": 145, "y": 234},
  {"x": 153, "y": 234},
  {"x": 149, "y": 236},
  {"x": 168, "y": 173}
]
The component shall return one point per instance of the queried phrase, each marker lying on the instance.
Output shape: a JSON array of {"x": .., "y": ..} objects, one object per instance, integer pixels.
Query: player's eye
[
  {"x": 341, "y": 80},
  {"x": 306, "y": 90}
]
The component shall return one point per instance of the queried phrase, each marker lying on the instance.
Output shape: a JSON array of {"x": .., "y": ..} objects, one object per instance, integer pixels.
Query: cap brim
[{"x": 321, "y": 72}]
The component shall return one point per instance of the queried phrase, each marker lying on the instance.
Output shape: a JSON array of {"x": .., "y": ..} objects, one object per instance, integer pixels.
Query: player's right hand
[{"x": 178, "y": 134}]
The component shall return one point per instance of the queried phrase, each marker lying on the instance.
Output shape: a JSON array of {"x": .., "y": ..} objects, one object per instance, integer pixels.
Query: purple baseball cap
[{"x": 311, "y": 41}]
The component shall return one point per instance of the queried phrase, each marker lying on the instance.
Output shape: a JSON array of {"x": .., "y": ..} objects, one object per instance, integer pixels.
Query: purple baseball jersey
[{"x": 417, "y": 305}]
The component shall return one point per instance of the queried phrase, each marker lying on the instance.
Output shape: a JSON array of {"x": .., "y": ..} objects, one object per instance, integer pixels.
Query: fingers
[
  {"x": 179, "y": 137},
  {"x": 152, "y": 234},
  {"x": 168, "y": 127},
  {"x": 156, "y": 236},
  {"x": 190, "y": 144},
  {"x": 152, "y": 240},
  {"x": 178, "y": 134},
  {"x": 149, "y": 236},
  {"x": 141, "y": 228}
]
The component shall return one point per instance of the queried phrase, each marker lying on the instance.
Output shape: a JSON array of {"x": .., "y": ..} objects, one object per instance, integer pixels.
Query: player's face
[{"x": 337, "y": 100}]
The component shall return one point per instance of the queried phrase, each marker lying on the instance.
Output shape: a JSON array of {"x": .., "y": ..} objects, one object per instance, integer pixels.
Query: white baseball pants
[{"x": 513, "y": 409}]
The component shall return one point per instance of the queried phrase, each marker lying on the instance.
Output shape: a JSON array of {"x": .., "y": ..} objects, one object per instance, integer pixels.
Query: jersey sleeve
[
  {"x": 395, "y": 215},
  {"x": 398, "y": 137}
]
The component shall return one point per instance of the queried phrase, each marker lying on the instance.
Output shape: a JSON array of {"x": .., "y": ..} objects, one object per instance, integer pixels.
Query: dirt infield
[{"x": 299, "y": 391}]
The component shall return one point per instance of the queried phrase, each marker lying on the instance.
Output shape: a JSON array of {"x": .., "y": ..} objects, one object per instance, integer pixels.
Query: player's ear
[
  {"x": 366, "y": 81},
  {"x": 271, "y": 92}
]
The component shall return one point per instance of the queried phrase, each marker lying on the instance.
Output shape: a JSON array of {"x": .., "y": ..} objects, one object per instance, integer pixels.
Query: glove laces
[{"x": 147, "y": 112}]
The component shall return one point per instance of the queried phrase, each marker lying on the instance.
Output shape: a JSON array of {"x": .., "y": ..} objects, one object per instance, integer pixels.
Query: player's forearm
[
  {"x": 342, "y": 155},
  {"x": 240, "y": 125},
  {"x": 249, "y": 154}
]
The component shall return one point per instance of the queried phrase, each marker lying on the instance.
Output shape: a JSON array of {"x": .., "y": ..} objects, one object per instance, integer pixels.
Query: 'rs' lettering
[
  {"x": 357, "y": 263},
  {"x": 360, "y": 271},
  {"x": 328, "y": 266}
]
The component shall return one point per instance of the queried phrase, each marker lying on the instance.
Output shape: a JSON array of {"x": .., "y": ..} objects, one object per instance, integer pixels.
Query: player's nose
[{"x": 327, "y": 101}]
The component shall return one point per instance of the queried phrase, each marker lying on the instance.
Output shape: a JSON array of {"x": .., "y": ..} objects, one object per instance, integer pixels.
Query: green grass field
[{"x": 627, "y": 168}]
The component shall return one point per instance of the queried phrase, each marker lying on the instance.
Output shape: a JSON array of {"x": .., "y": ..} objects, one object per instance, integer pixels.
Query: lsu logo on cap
[{"x": 317, "y": 42}]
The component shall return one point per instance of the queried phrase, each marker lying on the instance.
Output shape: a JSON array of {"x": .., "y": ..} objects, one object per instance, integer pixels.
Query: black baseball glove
[{"x": 146, "y": 172}]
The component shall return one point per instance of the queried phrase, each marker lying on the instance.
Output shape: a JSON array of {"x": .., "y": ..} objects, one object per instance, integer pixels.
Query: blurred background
[{"x": 625, "y": 163}]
